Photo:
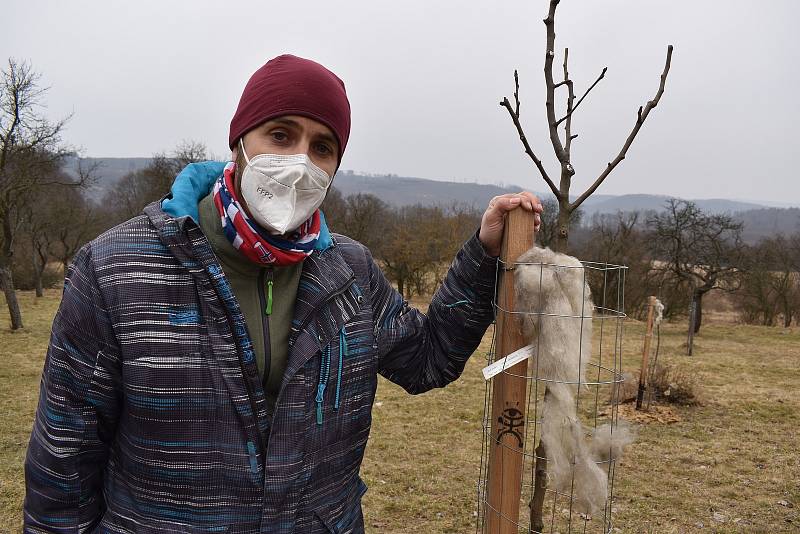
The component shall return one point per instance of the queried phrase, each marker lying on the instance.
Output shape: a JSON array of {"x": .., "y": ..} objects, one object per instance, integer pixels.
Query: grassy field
[{"x": 728, "y": 465}]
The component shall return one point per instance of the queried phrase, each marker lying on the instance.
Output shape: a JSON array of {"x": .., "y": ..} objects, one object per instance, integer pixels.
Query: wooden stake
[
  {"x": 651, "y": 306},
  {"x": 692, "y": 319},
  {"x": 506, "y": 458}
]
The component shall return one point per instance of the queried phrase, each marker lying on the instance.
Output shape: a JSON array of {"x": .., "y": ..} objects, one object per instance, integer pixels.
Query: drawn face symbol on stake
[{"x": 511, "y": 422}]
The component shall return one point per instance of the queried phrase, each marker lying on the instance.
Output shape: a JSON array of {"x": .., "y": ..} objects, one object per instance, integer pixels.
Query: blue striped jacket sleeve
[
  {"x": 420, "y": 352},
  {"x": 78, "y": 408}
]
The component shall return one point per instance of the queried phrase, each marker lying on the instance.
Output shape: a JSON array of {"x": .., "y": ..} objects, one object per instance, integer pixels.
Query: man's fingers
[
  {"x": 509, "y": 201},
  {"x": 504, "y": 203},
  {"x": 531, "y": 201}
]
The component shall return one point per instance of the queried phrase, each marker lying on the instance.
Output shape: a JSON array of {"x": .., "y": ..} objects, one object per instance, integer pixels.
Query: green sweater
[{"x": 249, "y": 282}]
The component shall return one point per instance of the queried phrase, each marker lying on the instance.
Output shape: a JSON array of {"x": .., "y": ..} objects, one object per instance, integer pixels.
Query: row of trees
[
  {"x": 681, "y": 254},
  {"x": 45, "y": 214},
  {"x": 415, "y": 244},
  {"x": 55, "y": 221},
  {"x": 770, "y": 282}
]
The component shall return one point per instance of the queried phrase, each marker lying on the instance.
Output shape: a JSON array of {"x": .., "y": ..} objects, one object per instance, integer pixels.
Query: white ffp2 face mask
[{"x": 282, "y": 192}]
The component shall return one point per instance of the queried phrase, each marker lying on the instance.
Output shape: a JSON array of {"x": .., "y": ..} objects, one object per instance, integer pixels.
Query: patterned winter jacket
[{"x": 151, "y": 416}]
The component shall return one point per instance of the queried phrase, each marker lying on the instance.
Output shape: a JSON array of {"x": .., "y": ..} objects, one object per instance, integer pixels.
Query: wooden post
[
  {"x": 651, "y": 306},
  {"x": 692, "y": 319},
  {"x": 509, "y": 403}
]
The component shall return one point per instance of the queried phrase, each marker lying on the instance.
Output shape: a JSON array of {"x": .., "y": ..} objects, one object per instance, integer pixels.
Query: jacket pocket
[{"x": 347, "y": 517}]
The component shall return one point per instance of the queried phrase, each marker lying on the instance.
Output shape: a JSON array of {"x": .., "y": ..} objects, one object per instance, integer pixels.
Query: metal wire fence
[{"x": 594, "y": 386}]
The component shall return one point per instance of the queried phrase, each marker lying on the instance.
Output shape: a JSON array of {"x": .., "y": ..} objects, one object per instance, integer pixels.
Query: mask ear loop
[{"x": 244, "y": 152}]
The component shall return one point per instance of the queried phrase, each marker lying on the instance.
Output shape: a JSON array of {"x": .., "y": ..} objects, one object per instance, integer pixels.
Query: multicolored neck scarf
[{"x": 253, "y": 241}]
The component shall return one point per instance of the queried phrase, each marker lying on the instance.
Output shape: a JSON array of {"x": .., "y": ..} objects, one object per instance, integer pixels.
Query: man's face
[
  {"x": 287, "y": 135},
  {"x": 292, "y": 134}
]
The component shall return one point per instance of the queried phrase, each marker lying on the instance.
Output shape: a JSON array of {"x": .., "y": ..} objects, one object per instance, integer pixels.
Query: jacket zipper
[
  {"x": 305, "y": 322},
  {"x": 253, "y": 405},
  {"x": 265, "y": 282}
]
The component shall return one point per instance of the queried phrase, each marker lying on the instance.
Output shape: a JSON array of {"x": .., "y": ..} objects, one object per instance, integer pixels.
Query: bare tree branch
[
  {"x": 570, "y": 100},
  {"x": 514, "y": 113},
  {"x": 549, "y": 55},
  {"x": 569, "y": 114},
  {"x": 641, "y": 116},
  {"x": 528, "y": 150}
]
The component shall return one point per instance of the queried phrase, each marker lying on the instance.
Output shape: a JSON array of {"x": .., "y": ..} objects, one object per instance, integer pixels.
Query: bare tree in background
[
  {"x": 30, "y": 153},
  {"x": 74, "y": 221},
  {"x": 563, "y": 149},
  {"x": 770, "y": 282},
  {"x": 619, "y": 239},
  {"x": 366, "y": 220},
  {"x": 335, "y": 209},
  {"x": 37, "y": 231},
  {"x": 701, "y": 251},
  {"x": 137, "y": 189}
]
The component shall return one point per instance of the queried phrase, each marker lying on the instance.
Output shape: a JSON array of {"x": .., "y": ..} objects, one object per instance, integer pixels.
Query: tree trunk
[
  {"x": 787, "y": 313},
  {"x": 39, "y": 288},
  {"x": 38, "y": 269},
  {"x": 539, "y": 487},
  {"x": 562, "y": 232},
  {"x": 7, "y": 282},
  {"x": 697, "y": 298},
  {"x": 400, "y": 287}
]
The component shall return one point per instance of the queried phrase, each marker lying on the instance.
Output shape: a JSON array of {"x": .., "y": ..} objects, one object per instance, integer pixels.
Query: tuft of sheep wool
[
  {"x": 570, "y": 465},
  {"x": 608, "y": 443},
  {"x": 556, "y": 305}
]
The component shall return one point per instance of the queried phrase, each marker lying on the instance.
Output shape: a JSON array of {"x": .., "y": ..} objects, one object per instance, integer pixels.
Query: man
[{"x": 213, "y": 364}]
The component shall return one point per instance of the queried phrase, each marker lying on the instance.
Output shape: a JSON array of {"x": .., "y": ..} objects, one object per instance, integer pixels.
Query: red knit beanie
[{"x": 290, "y": 85}]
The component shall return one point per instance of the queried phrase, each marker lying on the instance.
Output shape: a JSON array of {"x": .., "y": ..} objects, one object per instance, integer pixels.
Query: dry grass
[
  {"x": 723, "y": 466},
  {"x": 21, "y": 360}
]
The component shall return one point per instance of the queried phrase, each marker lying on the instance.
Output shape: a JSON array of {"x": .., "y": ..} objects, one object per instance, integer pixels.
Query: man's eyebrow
[{"x": 287, "y": 122}]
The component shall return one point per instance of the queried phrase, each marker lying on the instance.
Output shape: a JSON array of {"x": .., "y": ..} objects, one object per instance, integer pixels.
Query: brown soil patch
[{"x": 664, "y": 415}]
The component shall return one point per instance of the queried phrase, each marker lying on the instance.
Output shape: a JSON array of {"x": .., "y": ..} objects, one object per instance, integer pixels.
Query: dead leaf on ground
[{"x": 664, "y": 415}]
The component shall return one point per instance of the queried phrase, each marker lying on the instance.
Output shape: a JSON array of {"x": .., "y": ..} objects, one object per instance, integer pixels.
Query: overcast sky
[{"x": 424, "y": 80}]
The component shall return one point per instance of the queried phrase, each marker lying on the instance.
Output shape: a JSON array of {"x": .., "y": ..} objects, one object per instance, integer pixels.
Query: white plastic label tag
[{"x": 511, "y": 360}]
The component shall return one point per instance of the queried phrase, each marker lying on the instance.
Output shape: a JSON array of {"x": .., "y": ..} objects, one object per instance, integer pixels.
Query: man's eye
[{"x": 324, "y": 149}]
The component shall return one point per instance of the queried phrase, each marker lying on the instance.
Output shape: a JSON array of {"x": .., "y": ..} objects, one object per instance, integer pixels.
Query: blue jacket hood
[{"x": 195, "y": 182}]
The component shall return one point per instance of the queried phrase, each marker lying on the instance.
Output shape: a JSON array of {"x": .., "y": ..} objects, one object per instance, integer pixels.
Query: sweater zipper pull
[{"x": 268, "y": 309}]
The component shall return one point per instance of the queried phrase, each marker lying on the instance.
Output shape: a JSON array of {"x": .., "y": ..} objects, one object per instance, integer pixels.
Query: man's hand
[{"x": 494, "y": 218}]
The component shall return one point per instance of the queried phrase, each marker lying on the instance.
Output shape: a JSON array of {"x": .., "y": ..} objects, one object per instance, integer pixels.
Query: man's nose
[{"x": 305, "y": 146}]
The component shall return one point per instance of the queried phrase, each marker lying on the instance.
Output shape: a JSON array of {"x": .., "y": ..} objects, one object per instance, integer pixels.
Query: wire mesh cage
[{"x": 549, "y": 451}]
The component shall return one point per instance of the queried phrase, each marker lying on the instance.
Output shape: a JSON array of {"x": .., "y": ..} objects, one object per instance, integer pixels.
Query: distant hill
[
  {"x": 613, "y": 204},
  {"x": 768, "y": 222},
  {"x": 404, "y": 191},
  {"x": 109, "y": 171},
  {"x": 759, "y": 220}
]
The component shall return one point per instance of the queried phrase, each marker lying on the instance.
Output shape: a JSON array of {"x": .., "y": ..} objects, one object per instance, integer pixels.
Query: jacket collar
[{"x": 195, "y": 182}]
